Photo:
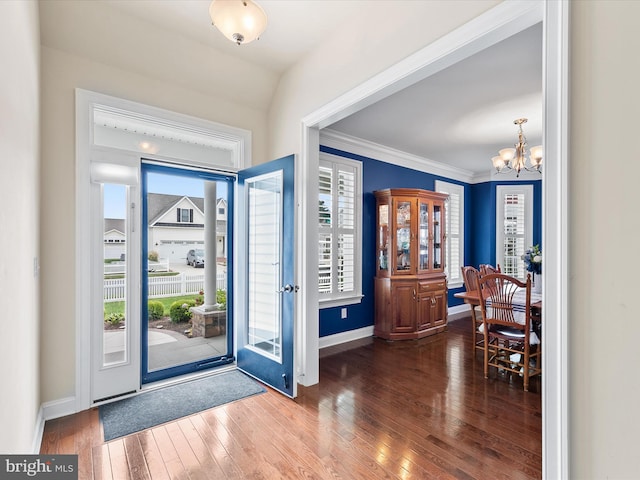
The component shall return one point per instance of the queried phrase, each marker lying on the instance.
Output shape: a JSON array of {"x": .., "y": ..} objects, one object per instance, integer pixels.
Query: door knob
[{"x": 288, "y": 288}]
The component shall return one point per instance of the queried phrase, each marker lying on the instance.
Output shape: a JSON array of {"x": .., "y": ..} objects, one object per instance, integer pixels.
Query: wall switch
[{"x": 343, "y": 313}]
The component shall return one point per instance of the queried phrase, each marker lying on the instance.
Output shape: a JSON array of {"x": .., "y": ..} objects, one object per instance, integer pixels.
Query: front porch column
[{"x": 210, "y": 244}]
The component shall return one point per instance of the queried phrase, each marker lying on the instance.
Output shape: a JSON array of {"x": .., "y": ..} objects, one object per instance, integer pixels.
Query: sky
[{"x": 115, "y": 195}]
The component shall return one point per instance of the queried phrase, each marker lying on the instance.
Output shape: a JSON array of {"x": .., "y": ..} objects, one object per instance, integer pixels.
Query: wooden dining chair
[
  {"x": 510, "y": 343},
  {"x": 486, "y": 269},
  {"x": 470, "y": 276}
]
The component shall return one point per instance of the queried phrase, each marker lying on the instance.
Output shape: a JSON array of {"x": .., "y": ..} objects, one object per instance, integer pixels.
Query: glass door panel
[
  {"x": 437, "y": 237},
  {"x": 403, "y": 235},
  {"x": 185, "y": 267},
  {"x": 264, "y": 235},
  {"x": 423, "y": 237},
  {"x": 115, "y": 337},
  {"x": 383, "y": 237}
]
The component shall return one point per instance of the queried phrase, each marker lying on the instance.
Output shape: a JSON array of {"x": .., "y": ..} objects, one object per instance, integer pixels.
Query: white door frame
[
  {"x": 237, "y": 140},
  {"x": 493, "y": 26}
]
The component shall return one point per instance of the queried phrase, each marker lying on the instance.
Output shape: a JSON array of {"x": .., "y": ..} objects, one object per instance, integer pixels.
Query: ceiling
[{"x": 460, "y": 116}]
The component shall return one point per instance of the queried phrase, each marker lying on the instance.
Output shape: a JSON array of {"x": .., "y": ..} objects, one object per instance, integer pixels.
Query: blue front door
[{"x": 267, "y": 253}]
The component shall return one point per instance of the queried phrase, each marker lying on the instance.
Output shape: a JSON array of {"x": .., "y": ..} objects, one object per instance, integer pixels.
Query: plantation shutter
[
  {"x": 514, "y": 234},
  {"x": 178, "y": 215},
  {"x": 339, "y": 224},
  {"x": 191, "y": 215},
  {"x": 325, "y": 261},
  {"x": 454, "y": 230}
]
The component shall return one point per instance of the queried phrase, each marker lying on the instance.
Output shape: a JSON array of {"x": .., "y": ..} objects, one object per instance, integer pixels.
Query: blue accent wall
[{"x": 479, "y": 228}]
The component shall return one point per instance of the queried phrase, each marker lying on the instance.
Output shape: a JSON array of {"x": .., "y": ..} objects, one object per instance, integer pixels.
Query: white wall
[
  {"x": 62, "y": 72},
  {"x": 604, "y": 228},
  {"x": 19, "y": 197}
]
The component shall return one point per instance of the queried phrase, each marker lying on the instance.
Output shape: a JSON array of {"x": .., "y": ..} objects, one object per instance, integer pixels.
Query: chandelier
[
  {"x": 515, "y": 158},
  {"x": 241, "y": 21}
]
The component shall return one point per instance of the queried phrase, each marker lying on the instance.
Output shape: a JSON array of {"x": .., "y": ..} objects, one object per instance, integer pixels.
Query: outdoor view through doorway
[{"x": 185, "y": 246}]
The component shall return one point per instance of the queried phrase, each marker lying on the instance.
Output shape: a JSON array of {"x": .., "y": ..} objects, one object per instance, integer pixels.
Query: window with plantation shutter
[
  {"x": 339, "y": 226},
  {"x": 514, "y": 227},
  {"x": 454, "y": 230}
]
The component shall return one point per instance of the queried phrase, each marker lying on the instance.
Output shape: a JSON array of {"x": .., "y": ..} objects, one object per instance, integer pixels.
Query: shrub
[
  {"x": 156, "y": 310},
  {"x": 114, "y": 318},
  {"x": 153, "y": 256},
  {"x": 179, "y": 311},
  {"x": 221, "y": 297}
]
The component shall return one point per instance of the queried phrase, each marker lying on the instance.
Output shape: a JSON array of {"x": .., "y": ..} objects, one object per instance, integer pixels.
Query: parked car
[{"x": 195, "y": 258}]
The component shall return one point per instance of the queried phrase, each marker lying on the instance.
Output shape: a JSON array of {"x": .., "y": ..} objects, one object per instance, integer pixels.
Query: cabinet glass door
[
  {"x": 423, "y": 236},
  {"x": 437, "y": 237},
  {"x": 403, "y": 236},
  {"x": 383, "y": 237}
]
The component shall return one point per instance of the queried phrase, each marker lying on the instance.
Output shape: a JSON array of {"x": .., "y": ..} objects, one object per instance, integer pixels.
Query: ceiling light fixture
[
  {"x": 515, "y": 158},
  {"x": 241, "y": 21}
]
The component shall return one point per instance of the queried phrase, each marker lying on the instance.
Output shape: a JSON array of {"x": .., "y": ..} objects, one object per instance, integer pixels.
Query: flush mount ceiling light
[
  {"x": 241, "y": 21},
  {"x": 515, "y": 158}
]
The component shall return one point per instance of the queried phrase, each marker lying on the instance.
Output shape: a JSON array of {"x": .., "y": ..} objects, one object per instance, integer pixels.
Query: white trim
[
  {"x": 58, "y": 408},
  {"x": 239, "y": 141},
  {"x": 344, "y": 337},
  {"x": 497, "y": 24},
  {"x": 555, "y": 238},
  {"x": 458, "y": 311},
  {"x": 365, "y": 148},
  {"x": 38, "y": 432}
]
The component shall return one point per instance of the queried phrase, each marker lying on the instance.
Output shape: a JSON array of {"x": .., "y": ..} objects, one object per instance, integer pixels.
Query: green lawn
[{"x": 118, "y": 307}]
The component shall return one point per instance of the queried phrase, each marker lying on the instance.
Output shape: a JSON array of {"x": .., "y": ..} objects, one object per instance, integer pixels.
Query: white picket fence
[
  {"x": 181, "y": 284},
  {"x": 119, "y": 267}
]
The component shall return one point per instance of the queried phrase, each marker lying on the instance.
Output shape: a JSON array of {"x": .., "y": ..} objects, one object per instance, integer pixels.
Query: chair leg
[
  {"x": 486, "y": 354},
  {"x": 474, "y": 325}
]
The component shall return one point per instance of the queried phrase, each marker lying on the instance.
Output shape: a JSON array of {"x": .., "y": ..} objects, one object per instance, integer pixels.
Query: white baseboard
[
  {"x": 344, "y": 337},
  {"x": 459, "y": 311},
  {"x": 37, "y": 436},
  {"x": 58, "y": 408},
  {"x": 49, "y": 411},
  {"x": 454, "y": 313}
]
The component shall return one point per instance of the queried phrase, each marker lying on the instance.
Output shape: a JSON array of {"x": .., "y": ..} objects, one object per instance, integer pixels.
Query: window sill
[
  {"x": 340, "y": 302},
  {"x": 455, "y": 284}
]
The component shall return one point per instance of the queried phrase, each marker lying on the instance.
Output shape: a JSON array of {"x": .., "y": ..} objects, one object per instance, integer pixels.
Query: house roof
[
  {"x": 159, "y": 203},
  {"x": 114, "y": 224}
]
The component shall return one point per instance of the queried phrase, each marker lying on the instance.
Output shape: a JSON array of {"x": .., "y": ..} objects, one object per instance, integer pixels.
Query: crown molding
[{"x": 365, "y": 148}]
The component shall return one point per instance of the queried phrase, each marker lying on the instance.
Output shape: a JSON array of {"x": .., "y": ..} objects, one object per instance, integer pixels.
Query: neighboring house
[
  {"x": 176, "y": 225},
  {"x": 114, "y": 238}
]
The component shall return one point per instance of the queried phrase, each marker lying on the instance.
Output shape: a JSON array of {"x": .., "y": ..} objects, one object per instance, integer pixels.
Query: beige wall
[
  {"x": 61, "y": 73},
  {"x": 19, "y": 217},
  {"x": 604, "y": 227},
  {"x": 371, "y": 43}
]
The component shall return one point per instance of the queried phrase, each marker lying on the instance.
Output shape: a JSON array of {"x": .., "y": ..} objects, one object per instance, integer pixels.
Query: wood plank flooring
[{"x": 405, "y": 410}]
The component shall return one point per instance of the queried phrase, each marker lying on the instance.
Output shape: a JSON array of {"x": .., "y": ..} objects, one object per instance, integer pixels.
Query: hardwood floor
[{"x": 410, "y": 410}]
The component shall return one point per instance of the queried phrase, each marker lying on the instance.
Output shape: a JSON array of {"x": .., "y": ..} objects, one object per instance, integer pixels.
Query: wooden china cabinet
[{"x": 410, "y": 283}]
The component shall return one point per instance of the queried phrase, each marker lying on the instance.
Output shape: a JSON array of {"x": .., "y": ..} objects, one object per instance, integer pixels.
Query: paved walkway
[{"x": 168, "y": 349}]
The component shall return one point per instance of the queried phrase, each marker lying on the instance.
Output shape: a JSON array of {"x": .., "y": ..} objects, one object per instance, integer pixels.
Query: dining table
[{"x": 473, "y": 299}]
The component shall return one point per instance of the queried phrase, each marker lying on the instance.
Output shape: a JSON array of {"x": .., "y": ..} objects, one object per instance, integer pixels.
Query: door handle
[{"x": 288, "y": 288}]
